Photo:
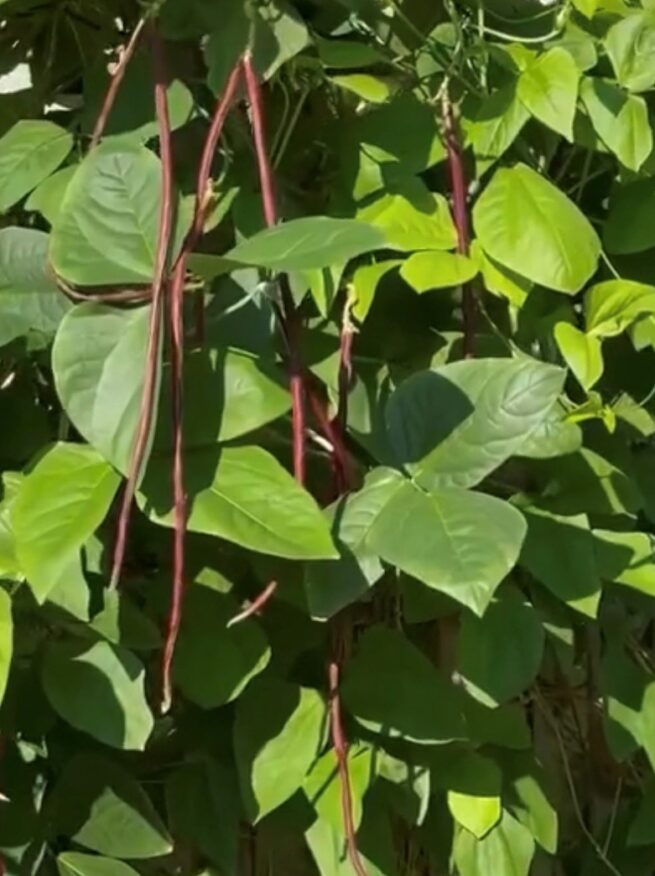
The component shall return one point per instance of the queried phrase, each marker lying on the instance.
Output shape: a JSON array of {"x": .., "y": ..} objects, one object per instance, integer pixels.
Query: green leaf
[
  {"x": 374, "y": 89},
  {"x": 101, "y": 807},
  {"x": 437, "y": 270},
  {"x": 228, "y": 393},
  {"x": 29, "y": 153},
  {"x": 412, "y": 429},
  {"x": 206, "y": 641},
  {"x": 411, "y": 217},
  {"x": 499, "y": 654},
  {"x": 630, "y": 44},
  {"x": 528, "y": 798},
  {"x": 365, "y": 281},
  {"x": 528, "y": 225},
  {"x": 46, "y": 198},
  {"x": 415, "y": 702},
  {"x": 244, "y": 495},
  {"x": 461, "y": 543},
  {"x": 548, "y": 87},
  {"x": 133, "y": 113},
  {"x": 473, "y": 783},
  {"x": 620, "y": 120},
  {"x": 506, "y": 851},
  {"x": 642, "y": 832},
  {"x": 29, "y": 297},
  {"x": 98, "y": 360},
  {"x": 6, "y": 640},
  {"x": 582, "y": 353},
  {"x": 278, "y": 734},
  {"x": 306, "y": 244},
  {"x": 278, "y": 34},
  {"x": 630, "y": 225},
  {"x": 627, "y": 558},
  {"x": 559, "y": 552},
  {"x": 587, "y": 7},
  {"x": 347, "y": 54},
  {"x": 323, "y": 784},
  {"x": 493, "y": 123},
  {"x": 99, "y": 689},
  {"x": 611, "y": 307},
  {"x": 330, "y": 585},
  {"x": 556, "y": 436},
  {"x": 202, "y": 799},
  {"x": 629, "y": 696},
  {"x": 500, "y": 281},
  {"x": 510, "y": 398},
  {"x": 78, "y": 864},
  {"x": 62, "y": 502},
  {"x": 106, "y": 230}
]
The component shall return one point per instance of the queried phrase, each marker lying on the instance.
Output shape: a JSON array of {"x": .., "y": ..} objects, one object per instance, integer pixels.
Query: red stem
[
  {"x": 146, "y": 411},
  {"x": 460, "y": 216},
  {"x": 176, "y": 323},
  {"x": 259, "y": 136},
  {"x": 340, "y": 744},
  {"x": 115, "y": 83}
]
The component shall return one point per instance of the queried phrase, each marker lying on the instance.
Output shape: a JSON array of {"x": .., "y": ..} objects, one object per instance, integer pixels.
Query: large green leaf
[
  {"x": 228, "y": 393},
  {"x": 278, "y": 734},
  {"x": 308, "y": 244},
  {"x": 528, "y": 798},
  {"x": 98, "y": 360},
  {"x": 458, "y": 542},
  {"x": 630, "y": 44},
  {"x": 99, "y": 689},
  {"x": 274, "y": 34},
  {"x": 106, "y": 230},
  {"x": 330, "y": 585},
  {"x": 492, "y": 124},
  {"x": 6, "y": 640},
  {"x": 506, "y": 851},
  {"x": 630, "y": 224},
  {"x": 620, "y": 120},
  {"x": 204, "y": 809},
  {"x": 323, "y": 784},
  {"x": 581, "y": 352},
  {"x": 627, "y": 558},
  {"x": 414, "y": 703},
  {"x": 527, "y": 224},
  {"x": 559, "y": 552},
  {"x": 29, "y": 153},
  {"x": 510, "y": 398},
  {"x": 29, "y": 297},
  {"x": 62, "y": 502},
  {"x": 244, "y": 495},
  {"x": 437, "y": 270},
  {"x": 629, "y": 697},
  {"x": 499, "y": 654},
  {"x": 206, "y": 642},
  {"x": 611, "y": 307},
  {"x": 101, "y": 807},
  {"x": 548, "y": 88},
  {"x": 79, "y": 864},
  {"x": 473, "y": 785},
  {"x": 411, "y": 217}
]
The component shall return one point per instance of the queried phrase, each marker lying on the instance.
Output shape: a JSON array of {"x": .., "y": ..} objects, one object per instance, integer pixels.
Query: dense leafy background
[{"x": 486, "y": 578}]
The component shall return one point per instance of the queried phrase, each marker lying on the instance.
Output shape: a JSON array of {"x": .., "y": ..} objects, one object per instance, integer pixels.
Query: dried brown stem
[
  {"x": 115, "y": 83},
  {"x": 165, "y": 231}
]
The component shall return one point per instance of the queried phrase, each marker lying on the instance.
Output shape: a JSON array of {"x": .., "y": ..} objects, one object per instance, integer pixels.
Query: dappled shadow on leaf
[{"x": 423, "y": 411}]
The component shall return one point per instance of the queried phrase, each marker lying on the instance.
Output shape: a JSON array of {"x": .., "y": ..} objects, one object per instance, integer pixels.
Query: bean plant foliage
[{"x": 327, "y": 378}]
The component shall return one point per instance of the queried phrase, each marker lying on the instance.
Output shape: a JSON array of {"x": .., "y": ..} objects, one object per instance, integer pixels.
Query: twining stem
[
  {"x": 176, "y": 323},
  {"x": 340, "y": 745},
  {"x": 460, "y": 214},
  {"x": 166, "y": 219},
  {"x": 117, "y": 77}
]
